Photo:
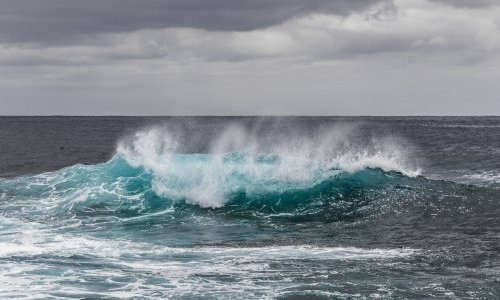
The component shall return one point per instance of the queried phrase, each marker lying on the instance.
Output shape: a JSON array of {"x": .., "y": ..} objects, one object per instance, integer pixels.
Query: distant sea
[{"x": 250, "y": 207}]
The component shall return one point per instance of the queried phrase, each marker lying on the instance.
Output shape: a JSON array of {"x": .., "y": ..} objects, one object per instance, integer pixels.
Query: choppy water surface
[{"x": 286, "y": 208}]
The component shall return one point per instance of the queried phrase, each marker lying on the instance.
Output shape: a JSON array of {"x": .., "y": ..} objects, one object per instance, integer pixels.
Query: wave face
[
  {"x": 249, "y": 183},
  {"x": 148, "y": 173},
  {"x": 273, "y": 215}
]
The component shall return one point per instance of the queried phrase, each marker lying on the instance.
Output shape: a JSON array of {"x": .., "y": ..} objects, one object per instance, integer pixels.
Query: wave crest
[{"x": 239, "y": 162}]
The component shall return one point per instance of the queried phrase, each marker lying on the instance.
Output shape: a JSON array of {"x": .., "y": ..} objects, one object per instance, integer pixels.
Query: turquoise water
[{"x": 315, "y": 222}]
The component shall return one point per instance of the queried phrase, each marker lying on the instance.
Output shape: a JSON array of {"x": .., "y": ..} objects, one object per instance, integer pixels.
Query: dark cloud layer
[
  {"x": 469, "y": 3},
  {"x": 250, "y": 57},
  {"x": 62, "y": 20}
]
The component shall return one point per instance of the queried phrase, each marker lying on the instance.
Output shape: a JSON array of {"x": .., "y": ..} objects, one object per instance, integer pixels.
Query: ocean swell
[{"x": 325, "y": 178}]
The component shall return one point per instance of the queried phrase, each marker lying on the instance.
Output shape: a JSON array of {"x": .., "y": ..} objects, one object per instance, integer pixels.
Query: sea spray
[{"x": 239, "y": 162}]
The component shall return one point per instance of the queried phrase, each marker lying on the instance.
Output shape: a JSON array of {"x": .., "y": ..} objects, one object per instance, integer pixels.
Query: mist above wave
[{"x": 246, "y": 161}]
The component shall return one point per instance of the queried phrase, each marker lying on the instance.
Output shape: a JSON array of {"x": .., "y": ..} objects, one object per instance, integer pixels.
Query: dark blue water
[{"x": 287, "y": 208}]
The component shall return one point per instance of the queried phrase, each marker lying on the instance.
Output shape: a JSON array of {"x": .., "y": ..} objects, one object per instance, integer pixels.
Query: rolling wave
[
  {"x": 233, "y": 182},
  {"x": 149, "y": 177}
]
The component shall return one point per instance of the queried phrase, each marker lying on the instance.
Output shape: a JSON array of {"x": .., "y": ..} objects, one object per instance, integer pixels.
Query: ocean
[{"x": 250, "y": 207}]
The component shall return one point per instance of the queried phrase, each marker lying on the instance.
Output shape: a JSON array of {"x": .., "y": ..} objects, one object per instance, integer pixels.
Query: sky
[{"x": 249, "y": 57}]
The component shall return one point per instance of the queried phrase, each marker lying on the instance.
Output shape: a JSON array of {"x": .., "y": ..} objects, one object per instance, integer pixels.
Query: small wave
[
  {"x": 485, "y": 178},
  {"x": 31, "y": 250},
  {"x": 23, "y": 239},
  {"x": 478, "y": 126}
]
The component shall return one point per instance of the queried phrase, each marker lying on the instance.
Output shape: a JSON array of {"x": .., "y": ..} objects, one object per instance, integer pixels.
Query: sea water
[{"x": 287, "y": 208}]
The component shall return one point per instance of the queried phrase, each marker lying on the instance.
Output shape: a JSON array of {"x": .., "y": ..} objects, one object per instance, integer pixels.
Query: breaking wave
[
  {"x": 238, "y": 165},
  {"x": 151, "y": 173}
]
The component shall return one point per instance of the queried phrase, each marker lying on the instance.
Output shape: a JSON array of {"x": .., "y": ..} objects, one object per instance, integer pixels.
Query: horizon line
[{"x": 239, "y": 116}]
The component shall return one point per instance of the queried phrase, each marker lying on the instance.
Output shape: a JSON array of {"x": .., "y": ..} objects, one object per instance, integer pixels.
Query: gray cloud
[
  {"x": 469, "y": 3},
  {"x": 249, "y": 57},
  {"x": 65, "y": 20},
  {"x": 399, "y": 30}
]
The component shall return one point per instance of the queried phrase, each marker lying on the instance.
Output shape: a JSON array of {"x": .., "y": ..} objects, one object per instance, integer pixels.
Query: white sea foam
[
  {"x": 486, "y": 178},
  {"x": 140, "y": 269},
  {"x": 239, "y": 159},
  {"x": 193, "y": 270},
  {"x": 33, "y": 242}
]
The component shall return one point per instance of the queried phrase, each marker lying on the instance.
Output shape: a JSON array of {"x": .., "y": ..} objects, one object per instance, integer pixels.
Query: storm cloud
[
  {"x": 249, "y": 57},
  {"x": 419, "y": 28},
  {"x": 65, "y": 20},
  {"x": 469, "y": 3}
]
